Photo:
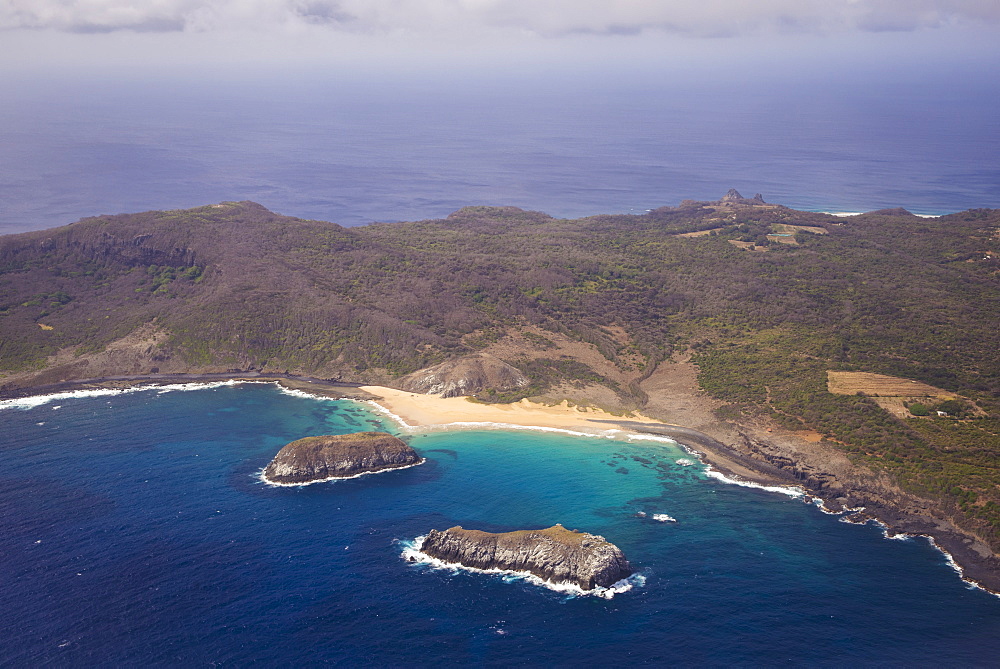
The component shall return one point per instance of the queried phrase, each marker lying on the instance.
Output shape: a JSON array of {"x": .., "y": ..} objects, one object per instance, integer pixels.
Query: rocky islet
[
  {"x": 553, "y": 554},
  {"x": 326, "y": 457}
]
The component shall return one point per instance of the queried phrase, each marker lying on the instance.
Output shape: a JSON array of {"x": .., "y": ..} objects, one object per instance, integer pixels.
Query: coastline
[
  {"x": 749, "y": 465},
  {"x": 308, "y": 384},
  {"x": 415, "y": 411}
]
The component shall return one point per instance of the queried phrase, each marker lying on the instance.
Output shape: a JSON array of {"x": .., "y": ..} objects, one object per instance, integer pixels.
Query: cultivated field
[
  {"x": 792, "y": 229},
  {"x": 878, "y": 385},
  {"x": 889, "y": 392}
]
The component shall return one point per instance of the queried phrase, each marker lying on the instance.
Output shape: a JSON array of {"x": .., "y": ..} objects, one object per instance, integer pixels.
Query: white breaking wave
[
  {"x": 188, "y": 387},
  {"x": 393, "y": 417},
  {"x": 297, "y": 392},
  {"x": 791, "y": 491},
  {"x": 650, "y": 437},
  {"x": 411, "y": 553},
  {"x": 26, "y": 403},
  {"x": 487, "y": 425},
  {"x": 664, "y": 518},
  {"x": 33, "y": 401},
  {"x": 274, "y": 484},
  {"x": 858, "y": 213},
  {"x": 957, "y": 568},
  {"x": 903, "y": 536},
  {"x": 819, "y": 504}
]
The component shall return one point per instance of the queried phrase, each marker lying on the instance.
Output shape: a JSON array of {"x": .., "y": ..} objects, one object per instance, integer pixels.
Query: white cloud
[{"x": 547, "y": 18}]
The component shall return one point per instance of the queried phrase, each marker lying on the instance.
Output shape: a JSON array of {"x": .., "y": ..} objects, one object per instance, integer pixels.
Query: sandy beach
[
  {"x": 432, "y": 412},
  {"x": 418, "y": 410},
  {"x": 741, "y": 461}
]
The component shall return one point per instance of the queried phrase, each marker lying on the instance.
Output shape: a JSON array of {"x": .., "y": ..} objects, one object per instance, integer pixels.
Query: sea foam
[
  {"x": 259, "y": 475},
  {"x": 489, "y": 425},
  {"x": 33, "y": 401},
  {"x": 791, "y": 491}
]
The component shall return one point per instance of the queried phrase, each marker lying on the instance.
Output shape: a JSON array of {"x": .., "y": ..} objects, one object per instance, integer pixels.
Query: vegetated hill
[{"x": 598, "y": 301}]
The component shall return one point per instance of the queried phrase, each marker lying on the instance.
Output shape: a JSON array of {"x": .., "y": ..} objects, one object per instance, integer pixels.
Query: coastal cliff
[
  {"x": 338, "y": 456},
  {"x": 554, "y": 554}
]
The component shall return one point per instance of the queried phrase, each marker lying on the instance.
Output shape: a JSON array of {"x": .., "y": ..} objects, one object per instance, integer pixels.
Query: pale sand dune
[{"x": 418, "y": 410}]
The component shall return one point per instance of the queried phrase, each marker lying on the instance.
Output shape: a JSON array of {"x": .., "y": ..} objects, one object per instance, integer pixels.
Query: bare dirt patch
[
  {"x": 748, "y": 246},
  {"x": 789, "y": 228},
  {"x": 675, "y": 397},
  {"x": 532, "y": 342},
  {"x": 699, "y": 233},
  {"x": 589, "y": 395},
  {"x": 136, "y": 353}
]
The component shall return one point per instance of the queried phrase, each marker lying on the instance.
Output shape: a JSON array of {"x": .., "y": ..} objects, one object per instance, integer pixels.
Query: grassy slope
[{"x": 239, "y": 287}]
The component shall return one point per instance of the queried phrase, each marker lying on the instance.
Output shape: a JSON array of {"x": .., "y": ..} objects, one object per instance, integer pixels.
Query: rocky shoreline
[
  {"x": 896, "y": 511},
  {"x": 316, "y": 386},
  {"x": 749, "y": 455}
]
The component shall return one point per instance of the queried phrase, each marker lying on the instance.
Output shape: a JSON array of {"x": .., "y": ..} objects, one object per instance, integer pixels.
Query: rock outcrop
[
  {"x": 464, "y": 376},
  {"x": 734, "y": 197},
  {"x": 338, "y": 456},
  {"x": 554, "y": 554}
]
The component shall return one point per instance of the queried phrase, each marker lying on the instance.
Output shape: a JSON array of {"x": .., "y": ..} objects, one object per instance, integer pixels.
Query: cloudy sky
[{"x": 86, "y": 33}]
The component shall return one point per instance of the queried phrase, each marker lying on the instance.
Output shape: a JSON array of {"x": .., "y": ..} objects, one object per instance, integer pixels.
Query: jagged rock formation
[
  {"x": 734, "y": 197},
  {"x": 338, "y": 456},
  {"x": 464, "y": 376},
  {"x": 554, "y": 554}
]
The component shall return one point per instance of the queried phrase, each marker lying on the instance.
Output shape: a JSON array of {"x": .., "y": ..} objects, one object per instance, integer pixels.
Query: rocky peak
[{"x": 734, "y": 197}]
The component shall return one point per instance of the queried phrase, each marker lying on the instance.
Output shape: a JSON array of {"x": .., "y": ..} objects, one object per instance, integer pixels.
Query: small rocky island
[
  {"x": 326, "y": 457},
  {"x": 554, "y": 554}
]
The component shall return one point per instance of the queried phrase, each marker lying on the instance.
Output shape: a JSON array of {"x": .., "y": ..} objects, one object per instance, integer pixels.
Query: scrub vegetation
[{"x": 237, "y": 287}]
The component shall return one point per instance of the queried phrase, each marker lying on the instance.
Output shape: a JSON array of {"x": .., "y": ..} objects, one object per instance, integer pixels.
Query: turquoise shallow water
[{"x": 134, "y": 530}]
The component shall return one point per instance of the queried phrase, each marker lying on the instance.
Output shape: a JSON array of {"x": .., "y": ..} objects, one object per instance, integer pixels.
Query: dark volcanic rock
[
  {"x": 338, "y": 456},
  {"x": 554, "y": 554}
]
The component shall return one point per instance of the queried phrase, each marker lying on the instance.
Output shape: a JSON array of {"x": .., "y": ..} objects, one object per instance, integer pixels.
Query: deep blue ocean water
[
  {"x": 352, "y": 151},
  {"x": 134, "y": 532}
]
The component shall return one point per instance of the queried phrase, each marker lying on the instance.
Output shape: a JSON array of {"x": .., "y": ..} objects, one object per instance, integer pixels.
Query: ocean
[
  {"x": 351, "y": 150},
  {"x": 134, "y": 531}
]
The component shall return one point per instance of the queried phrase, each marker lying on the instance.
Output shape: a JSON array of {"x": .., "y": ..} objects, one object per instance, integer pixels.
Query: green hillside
[{"x": 767, "y": 307}]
